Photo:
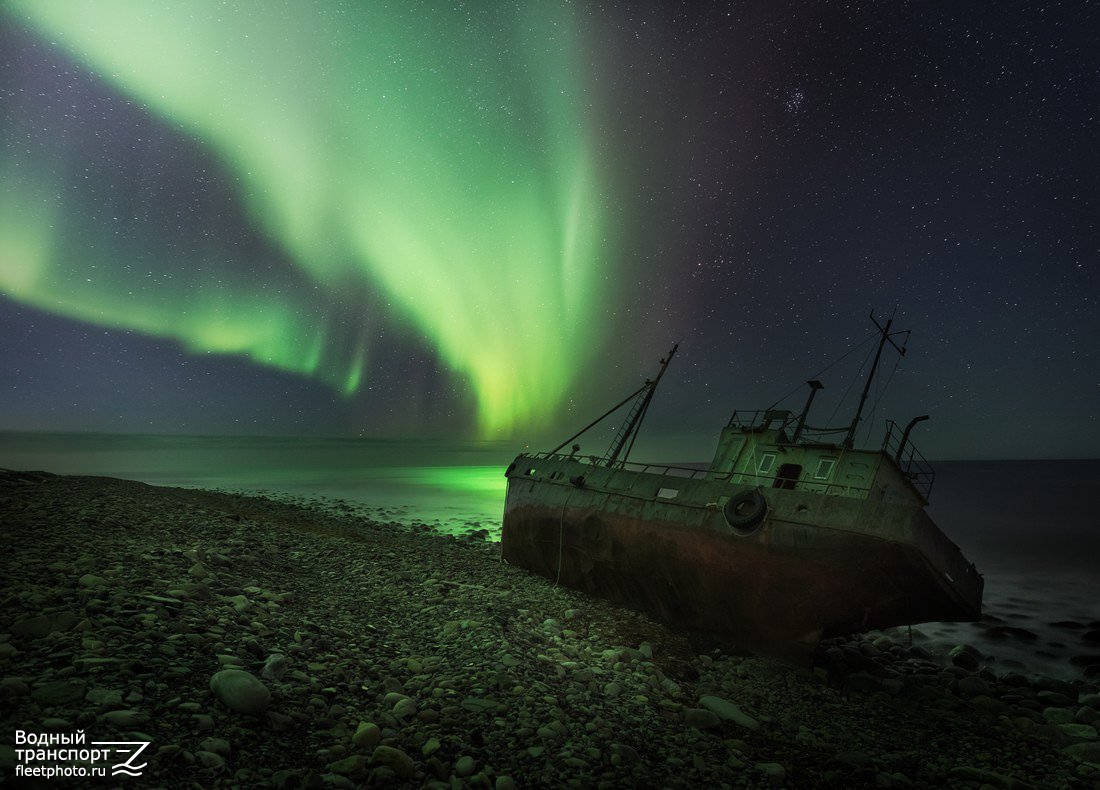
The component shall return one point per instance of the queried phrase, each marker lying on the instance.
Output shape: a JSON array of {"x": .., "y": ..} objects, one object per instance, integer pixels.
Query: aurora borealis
[
  {"x": 379, "y": 148},
  {"x": 491, "y": 219}
]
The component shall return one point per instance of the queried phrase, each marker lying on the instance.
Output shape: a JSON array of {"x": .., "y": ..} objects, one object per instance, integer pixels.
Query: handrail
[
  {"x": 909, "y": 460},
  {"x": 743, "y": 477},
  {"x": 595, "y": 460}
]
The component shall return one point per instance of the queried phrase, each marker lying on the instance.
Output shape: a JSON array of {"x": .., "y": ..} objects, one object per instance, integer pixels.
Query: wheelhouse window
[
  {"x": 824, "y": 469},
  {"x": 767, "y": 463}
]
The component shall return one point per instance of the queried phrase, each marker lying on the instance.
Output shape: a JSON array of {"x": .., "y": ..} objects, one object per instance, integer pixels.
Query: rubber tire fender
[{"x": 745, "y": 511}]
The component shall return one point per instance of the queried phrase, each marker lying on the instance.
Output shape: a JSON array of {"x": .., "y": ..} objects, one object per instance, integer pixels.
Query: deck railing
[
  {"x": 912, "y": 464},
  {"x": 657, "y": 469},
  {"x": 764, "y": 418},
  {"x": 739, "y": 477}
]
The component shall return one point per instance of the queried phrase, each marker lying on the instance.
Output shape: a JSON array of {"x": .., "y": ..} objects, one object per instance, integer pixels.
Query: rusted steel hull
[{"x": 775, "y": 591}]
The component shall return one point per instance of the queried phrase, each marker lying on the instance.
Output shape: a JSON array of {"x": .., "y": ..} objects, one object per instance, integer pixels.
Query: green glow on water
[
  {"x": 437, "y": 156},
  {"x": 488, "y": 480}
]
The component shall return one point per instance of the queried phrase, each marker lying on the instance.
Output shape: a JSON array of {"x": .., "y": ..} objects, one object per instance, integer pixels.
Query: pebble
[
  {"x": 972, "y": 686},
  {"x": 395, "y": 759},
  {"x": 210, "y": 760},
  {"x": 216, "y": 745},
  {"x": 240, "y": 691},
  {"x": 728, "y": 711},
  {"x": 352, "y": 764},
  {"x": 404, "y": 709},
  {"x": 367, "y": 736},
  {"x": 274, "y": 667},
  {"x": 464, "y": 766}
]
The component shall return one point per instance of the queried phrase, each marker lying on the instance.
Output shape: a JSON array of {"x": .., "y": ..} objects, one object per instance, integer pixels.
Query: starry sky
[{"x": 491, "y": 219}]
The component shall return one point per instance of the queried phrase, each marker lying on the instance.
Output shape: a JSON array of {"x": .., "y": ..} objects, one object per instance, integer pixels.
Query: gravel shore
[{"x": 269, "y": 642}]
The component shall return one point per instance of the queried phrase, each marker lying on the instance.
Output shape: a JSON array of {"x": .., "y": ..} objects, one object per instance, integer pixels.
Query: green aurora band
[{"x": 437, "y": 158}]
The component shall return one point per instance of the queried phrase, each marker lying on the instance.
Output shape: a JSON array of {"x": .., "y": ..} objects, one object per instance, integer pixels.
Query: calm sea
[
  {"x": 1031, "y": 527},
  {"x": 452, "y": 482}
]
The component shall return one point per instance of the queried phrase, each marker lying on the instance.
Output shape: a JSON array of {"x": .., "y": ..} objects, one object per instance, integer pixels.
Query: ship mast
[
  {"x": 629, "y": 430},
  {"x": 886, "y": 335}
]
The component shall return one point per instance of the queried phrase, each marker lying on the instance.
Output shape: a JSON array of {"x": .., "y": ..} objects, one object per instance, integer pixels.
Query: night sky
[{"x": 491, "y": 219}]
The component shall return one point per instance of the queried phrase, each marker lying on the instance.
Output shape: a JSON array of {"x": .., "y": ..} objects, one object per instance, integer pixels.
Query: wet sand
[{"x": 378, "y": 654}]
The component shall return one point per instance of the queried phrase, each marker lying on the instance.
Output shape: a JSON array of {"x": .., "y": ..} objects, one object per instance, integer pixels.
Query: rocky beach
[{"x": 295, "y": 643}]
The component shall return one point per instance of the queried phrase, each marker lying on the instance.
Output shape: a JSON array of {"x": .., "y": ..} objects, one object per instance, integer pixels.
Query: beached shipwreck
[{"x": 784, "y": 539}]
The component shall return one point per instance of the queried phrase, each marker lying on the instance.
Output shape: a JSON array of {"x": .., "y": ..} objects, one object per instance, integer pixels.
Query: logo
[
  {"x": 132, "y": 748},
  {"x": 55, "y": 754}
]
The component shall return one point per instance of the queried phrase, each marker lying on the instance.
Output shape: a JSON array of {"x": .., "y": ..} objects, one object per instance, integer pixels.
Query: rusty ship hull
[{"x": 814, "y": 562}]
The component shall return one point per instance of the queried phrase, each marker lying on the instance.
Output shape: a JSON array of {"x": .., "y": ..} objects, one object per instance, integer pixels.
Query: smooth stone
[
  {"x": 1054, "y": 698},
  {"x": 465, "y": 766},
  {"x": 480, "y": 704},
  {"x": 1086, "y": 752},
  {"x": 504, "y": 782},
  {"x": 394, "y": 758},
  {"x": 1080, "y": 732},
  {"x": 240, "y": 691},
  {"x": 274, "y": 667},
  {"x": 404, "y": 709},
  {"x": 393, "y": 697},
  {"x": 727, "y": 711},
  {"x": 972, "y": 686},
  {"x": 210, "y": 760},
  {"x": 90, "y": 580},
  {"x": 349, "y": 765},
  {"x": 107, "y": 697},
  {"x": 161, "y": 599},
  {"x": 58, "y": 692},
  {"x": 1058, "y": 715},
  {"x": 216, "y": 745},
  {"x": 430, "y": 747},
  {"x": 965, "y": 656},
  {"x": 367, "y": 736}
]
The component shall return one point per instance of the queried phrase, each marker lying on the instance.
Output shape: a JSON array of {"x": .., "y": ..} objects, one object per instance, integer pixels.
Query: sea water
[
  {"x": 1031, "y": 527},
  {"x": 453, "y": 483}
]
